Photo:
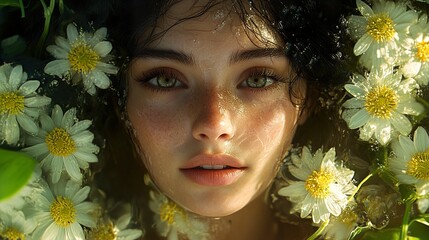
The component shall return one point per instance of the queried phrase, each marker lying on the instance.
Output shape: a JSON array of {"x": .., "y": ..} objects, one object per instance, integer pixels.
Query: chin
[{"x": 214, "y": 205}]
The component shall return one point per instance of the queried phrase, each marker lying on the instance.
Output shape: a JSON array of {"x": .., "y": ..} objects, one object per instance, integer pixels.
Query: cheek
[
  {"x": 272, "y": 134},
  {"x": 156, "y": 128},
  {"x": 272, "y": 128}
]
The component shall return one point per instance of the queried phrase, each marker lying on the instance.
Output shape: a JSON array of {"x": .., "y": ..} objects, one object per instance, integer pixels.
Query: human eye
[
  {"x": 259, "y": 78},
  {"x": 162, "y": 79}
]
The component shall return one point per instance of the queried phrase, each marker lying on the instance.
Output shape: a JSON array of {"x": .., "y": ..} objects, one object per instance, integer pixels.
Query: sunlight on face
[{"x": 210, "y": 109}]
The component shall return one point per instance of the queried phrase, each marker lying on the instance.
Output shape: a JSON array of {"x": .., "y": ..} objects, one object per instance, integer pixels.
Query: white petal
[
  {"x": 307, "y": 206},
  {"x": 81, "y": 195},
  {"x": 80, "y": 126},
  {"x": 37, "y": 101},
  {"x": 407, "y": 146},
  {"x": 57, "y": 52},
  {"x": 359, "y": 119},
  {"x": 16, "y": 76},
  {"x": 62, "y": 43},
  {"x": 11, "y": 130},
  {"x": 362, "y": 45},
  {"x": 364, "y": 9},
  {"x": 100, "y": 79},
  {"x": 421, "y": 140},
  {"x": 103, "y": 48},
  {"x": 85, "y": 156},
  {"x": 68, "y": 118},
  {"x": 76, "y": 232},
  {"x": 383, "y": 133},
  {"x": 123, "y": 221},
  {"x": 46, "y": 122},
  {"x": 57, "y": 67},
  {"x": 107, "y": 68},
  {"x": 83, "y": 213},
  {"x": 72, "y": 168},
  {"x": 354, "y": 90},
  {"x": 29, "y": 87},
  {"x": 72, "y": 33},
  {"x": 83, "y": 137},
  {"x": 56, "y": 168},
  {"x": 27, "y": 123},
  {"x": 57, "y": 115},
  {"x": 411, "y": 69},
  {"x": 401, "y": 123},
  {"x": 53, "y": 232},
  {"x": 36, "y": 150}
]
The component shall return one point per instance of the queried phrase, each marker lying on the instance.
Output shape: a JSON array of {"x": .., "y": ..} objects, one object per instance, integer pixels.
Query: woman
[{"x": 215, "y": 91}]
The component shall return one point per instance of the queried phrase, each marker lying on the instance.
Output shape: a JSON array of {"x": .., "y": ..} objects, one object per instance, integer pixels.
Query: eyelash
[
  {"x": 263, "y": 72},
  {"x": 172, "y": 74},
  {"x": 160, "y": 72}
]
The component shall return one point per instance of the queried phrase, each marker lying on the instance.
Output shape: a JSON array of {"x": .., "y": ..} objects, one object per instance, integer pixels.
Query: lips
[{"x": 213, "y": 170}]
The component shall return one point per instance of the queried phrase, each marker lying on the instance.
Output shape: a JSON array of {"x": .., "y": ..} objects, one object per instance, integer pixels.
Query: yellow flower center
[
  {"x": 12, "y": 234},
  {"x": 63, "y": 211},
  {"x": 11, "y": 103},
  {"x": 103, "y": 232},
  {"x": 60, "y": 142},
  {"x": 83, "y": 58},
  {"x": 317, "y": 184},
  {"x": 381, "y": 101},
  {"x": 418, "y": 166},
  {"x": 380, "y": 27},
  {"x": 168, "y": 211},
  {"x": 423, "y": 51}
]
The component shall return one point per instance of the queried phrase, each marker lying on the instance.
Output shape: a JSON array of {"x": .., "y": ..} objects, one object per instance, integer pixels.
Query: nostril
[
  {"x": 203, "y": 136},
  {"x": 224, "y": 136}
]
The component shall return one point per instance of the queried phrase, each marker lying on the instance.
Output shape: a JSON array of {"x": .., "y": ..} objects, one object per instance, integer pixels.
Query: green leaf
[
  {"x": 418, "y": 230},
  {"x": 385, "y": 234},
  {"x": 16, "y": 169},
  {"x": 408, "y": 192},
  {"x": 12, "y": 46},
  {"x": 10, "y": 3}
]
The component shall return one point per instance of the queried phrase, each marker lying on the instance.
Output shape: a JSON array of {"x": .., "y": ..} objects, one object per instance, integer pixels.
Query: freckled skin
[{"x": 213, "y": 114}]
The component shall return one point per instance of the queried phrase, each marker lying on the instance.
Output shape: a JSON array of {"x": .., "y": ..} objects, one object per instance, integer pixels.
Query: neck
[{"x": 254, "y": 221}]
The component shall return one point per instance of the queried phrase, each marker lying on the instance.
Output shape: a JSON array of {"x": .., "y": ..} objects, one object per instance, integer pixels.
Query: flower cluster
[
  {"x": 55, "y": 203},
  {"x": 386, "y": 104},
  {"x": 394, "y": 41}
]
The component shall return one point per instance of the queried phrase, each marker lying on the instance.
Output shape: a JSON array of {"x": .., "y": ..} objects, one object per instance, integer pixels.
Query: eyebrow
[
  {"x": 184, "y": 58},
  {"x": 168, "y": 54},
  {"x": 239, "y": 56}
]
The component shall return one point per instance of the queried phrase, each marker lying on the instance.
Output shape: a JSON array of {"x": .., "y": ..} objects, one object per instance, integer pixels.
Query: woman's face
[{"x": 210, "y": 110}]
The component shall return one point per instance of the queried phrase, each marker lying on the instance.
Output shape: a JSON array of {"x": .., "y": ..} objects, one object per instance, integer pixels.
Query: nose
[{"x": 213, "y": 120}]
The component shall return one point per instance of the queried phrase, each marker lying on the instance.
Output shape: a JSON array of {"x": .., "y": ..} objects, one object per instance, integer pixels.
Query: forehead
[{"x": 216, "y": 22}]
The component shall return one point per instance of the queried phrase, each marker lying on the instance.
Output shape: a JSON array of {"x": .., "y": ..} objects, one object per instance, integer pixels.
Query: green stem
[
  {"x": 47, "y": 12},
  {"x": 362, "y": 183},
  {"x": 21, "y": 5},
  {"x": 319, "y": 231},
  {"x": 406, "y": 219}
]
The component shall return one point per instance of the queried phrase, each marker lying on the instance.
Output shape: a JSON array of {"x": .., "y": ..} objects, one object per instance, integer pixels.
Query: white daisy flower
[
  {"x": 19, "y": 103},
  {"x": 171, "y": 221},
  {"x": 410, "y": 163},
  {"x": 114, "y": 230},
  {"x": 341, "y": 227},
  {"x": 63, "y": 143},
  {"x": 379, "y": 104},
  {"x": 323, "y": 187},
  {"x": 61, "y": 211},
  {"x": 15, "y": 226},
  {"x": 82, "y": 56},
  {"x": 416, "y": 55},
  {"x": 380, "y": 31}
]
